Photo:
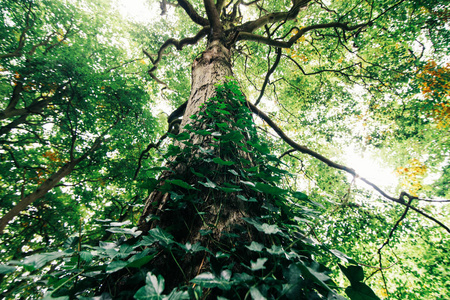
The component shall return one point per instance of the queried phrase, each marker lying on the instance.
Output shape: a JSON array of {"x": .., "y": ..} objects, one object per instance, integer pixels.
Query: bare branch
[
  {"x": 178, "y": 45},
  {"x": 248, "y": 36},
  {"x": 271, "y": 70}
]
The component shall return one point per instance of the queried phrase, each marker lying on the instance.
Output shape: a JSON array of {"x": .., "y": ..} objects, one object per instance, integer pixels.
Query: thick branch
[
  {"x": 214, "y": 19},
  {"x": 274, "y": 17},
  {"x": 33, "y": 108},
  {"x": 192, "y": 13},
  {"x": 178, "y": 45},
  {"x": 247, "y": 36},
  {"x": 332, "y": 164}
]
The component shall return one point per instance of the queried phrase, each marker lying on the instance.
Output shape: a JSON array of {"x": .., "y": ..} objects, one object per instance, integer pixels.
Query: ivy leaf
[
  {"x": 354, "y": 274},
  {"x": 164, "y": 238},
  {"x": 343, "y": 257},
  {"x": 269, "y": 189},
  {"x": 153, "y": 288},
  {"x": 259, "y": 264},
  {"x": 256, "y": 294},
  {"x": 182, "y": 184},
  {"x": 115, "y": 266},
  {"x": 234, "y": 136},
  {"x": 243, "y": 198},
  {"x": 37, "y": 261},
  {"x": 360, "y": 291},
  {"x": 313, "y": 273},
  {"x": 263, "y": 227},
  {"x": 222, "y": 162},
  {"x": 209, "y": 280},
  {"x": 131, "y": 231},
  {"x": 5, "y": 269},
  {"x": 208, "y": 184},
  {"x": 255, "y": 246}
]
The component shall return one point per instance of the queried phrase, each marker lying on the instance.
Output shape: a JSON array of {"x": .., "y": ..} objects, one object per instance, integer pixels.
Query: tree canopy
[{"x": 248, "y": 188}]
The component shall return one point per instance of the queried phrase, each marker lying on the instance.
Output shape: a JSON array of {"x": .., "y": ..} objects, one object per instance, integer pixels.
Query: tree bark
[{"x": 221, "y": 212}]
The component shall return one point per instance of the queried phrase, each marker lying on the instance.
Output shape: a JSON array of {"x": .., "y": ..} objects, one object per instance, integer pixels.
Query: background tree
[
  {"x": 224, "y": 217},
  {"x": 74, "y": 111}
]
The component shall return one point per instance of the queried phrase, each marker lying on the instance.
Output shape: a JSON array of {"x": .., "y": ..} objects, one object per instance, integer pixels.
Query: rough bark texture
[
  {"x": 222, "y": 213},
  {"x": 211, "y": 68}
]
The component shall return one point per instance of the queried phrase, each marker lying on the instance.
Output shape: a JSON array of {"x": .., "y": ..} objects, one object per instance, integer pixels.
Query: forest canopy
[{"x": 225, "y": 149}]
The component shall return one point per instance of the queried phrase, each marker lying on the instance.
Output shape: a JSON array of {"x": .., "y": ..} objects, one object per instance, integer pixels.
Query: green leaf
[
  {"x": 360, "y": 291},
  {"x": 233, "y": 172},
  {"x": 182, "y": 136},
  {"x": 313, "y": 273},
  {"x": 243, "y": 198},
  {"x": 37, "y": 261},
  {"x": 86, "y": 256},
  {"x": 354, "y": 274},
  {"x": 343, "y": 257},
  {"x": 149, "y": 183},
  {"x": 256, "y": 294},
  {"x": 234, "y": 136},
  {"x": 300, "y": 195},
  {"x": 269, "y": 189},
  {"x": 249, "y": 183},
  {"x": 255, "y": 246},
  {"x": 194, "y": 248},
  {"x": 222, "y": 162},
  {"x": 263, "y": 227},
  {"x": 209, "y": 280},
  {"x": 154, "y": 286},
  {"x": 208, "y": 184},
  {"x": 181, "y": 183},
  {"x": 140, "y": 261},
  {"x": 131, "y": 231},
  {"x": 230, "y": 189},
  {"x": 259, "y": 264},
  {"x": 197, "y": 173},
  {"x": 5, "y": 269},
  {"x": 115, "y": 266},
  {"x": 164, "y": 238}
]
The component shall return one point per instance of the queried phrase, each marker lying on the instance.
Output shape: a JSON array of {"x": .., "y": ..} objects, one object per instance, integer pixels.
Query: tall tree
[{"x": 224, "y": 219}]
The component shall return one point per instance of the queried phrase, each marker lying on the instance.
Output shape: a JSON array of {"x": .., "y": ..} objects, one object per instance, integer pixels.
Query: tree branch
[
  {"x": 332, "y": 164},
  {"x": 266, "y": 80},
  {"x": 251, "y": 26},
  {"x": 214, "y": 19},
  {"x": 178, "y": 45},
  {"x": 248, "y": 36},
  {"x": 51, "y": 182},
  {"x": 192, "y": 13}
]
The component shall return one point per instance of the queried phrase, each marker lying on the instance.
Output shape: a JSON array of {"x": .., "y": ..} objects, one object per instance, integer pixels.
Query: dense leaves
[{"x": 240, "y": 214}]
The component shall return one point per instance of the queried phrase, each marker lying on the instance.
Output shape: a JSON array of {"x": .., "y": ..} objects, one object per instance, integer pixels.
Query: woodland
[{"x": 219, "y": 149}]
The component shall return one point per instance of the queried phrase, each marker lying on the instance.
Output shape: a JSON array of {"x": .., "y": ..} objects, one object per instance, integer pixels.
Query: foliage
[
  {"x": 282, "y": 264},
  {"x": 67, "y": 96},
  {"x": 334, "y": 75}
]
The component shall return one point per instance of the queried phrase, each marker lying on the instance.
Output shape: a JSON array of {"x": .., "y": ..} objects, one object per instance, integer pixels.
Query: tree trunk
[{"x": 214, "y": 214}]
